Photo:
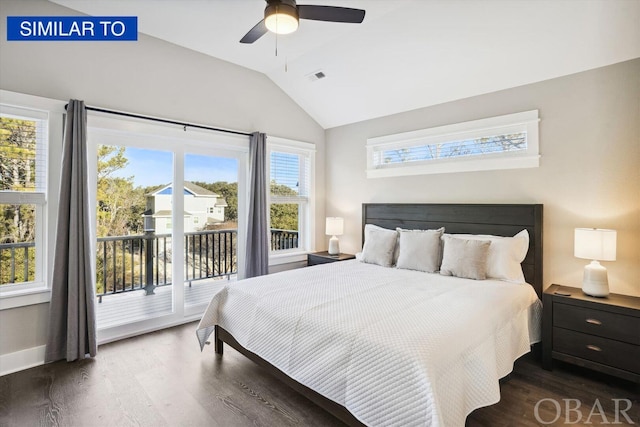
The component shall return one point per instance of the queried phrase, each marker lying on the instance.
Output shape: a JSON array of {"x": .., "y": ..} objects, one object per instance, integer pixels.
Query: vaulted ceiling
[{"x": 407, "y": 54}]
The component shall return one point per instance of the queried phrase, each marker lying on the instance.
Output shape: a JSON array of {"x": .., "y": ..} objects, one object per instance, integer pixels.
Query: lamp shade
[
  {"x": 595, "y": 244},
  {"x": 334, "y": 226}
]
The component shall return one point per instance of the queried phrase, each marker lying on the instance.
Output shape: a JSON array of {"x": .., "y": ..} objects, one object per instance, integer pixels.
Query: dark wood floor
[{"x": 162, "y": 379}]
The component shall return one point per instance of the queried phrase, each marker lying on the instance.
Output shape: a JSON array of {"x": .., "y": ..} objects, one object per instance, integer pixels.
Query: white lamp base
[
  {"x": 595, "y": 281},
  {"x": 334, "y": 246}
]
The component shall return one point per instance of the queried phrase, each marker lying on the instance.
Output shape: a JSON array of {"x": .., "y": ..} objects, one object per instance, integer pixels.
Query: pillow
[
  {"x": 505, "y": 255},
  {"x": 465, "y": 257},
  {"x": 419, "y": 249},
  {"x": 379, "y": 245}
]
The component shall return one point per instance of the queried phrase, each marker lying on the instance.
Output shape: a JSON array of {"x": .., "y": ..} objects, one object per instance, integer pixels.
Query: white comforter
[{"x": 395, "y": 347}]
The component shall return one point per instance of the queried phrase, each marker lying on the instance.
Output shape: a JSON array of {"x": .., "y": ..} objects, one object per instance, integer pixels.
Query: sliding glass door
[
  {"x": 133, "y": 255},
  {"x": 169, "y": 221},
  {"x": 210, "y": 226}
]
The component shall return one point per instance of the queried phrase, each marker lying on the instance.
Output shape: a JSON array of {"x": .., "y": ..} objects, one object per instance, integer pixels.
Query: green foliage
[
  {"x": 284, "y": 216},
  {"x": 17, "y": 222},
  {"x": 120, "y": 205},
  {"x": 17, "y": 154}
]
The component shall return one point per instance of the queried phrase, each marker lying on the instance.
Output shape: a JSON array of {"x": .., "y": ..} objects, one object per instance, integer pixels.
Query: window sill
[
  {"x": 23, "y": 297},
  {"x": 456, "y": 166},
  {"x": 286, "y": 258}
]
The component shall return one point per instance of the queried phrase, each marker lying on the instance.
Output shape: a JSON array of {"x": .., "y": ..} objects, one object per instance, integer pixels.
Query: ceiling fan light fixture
[{"x": 281, "y": 18}]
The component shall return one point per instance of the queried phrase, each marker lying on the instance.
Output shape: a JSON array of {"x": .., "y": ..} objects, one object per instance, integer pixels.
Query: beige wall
[
  {"x": 589, "y": 174},
  {"x": 151, "y": 77}
]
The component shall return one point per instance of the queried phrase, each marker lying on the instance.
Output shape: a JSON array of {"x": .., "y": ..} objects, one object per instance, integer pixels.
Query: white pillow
[
  {"x": 419, "y": 249},
  {"x": 505, "y": 255},
  {"x": 465, "y": 257},
  {"x": 379, "y": 245}
]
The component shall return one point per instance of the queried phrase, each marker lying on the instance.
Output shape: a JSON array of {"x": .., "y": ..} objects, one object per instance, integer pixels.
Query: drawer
[
  {"x": 315, "y": 260},
  {"x": 597, "y": 322},
  {"x": 597, "y": 349}
]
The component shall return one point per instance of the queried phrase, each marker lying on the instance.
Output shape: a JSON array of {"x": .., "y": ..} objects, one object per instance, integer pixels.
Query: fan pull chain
[{"x": 276, "y": 30}]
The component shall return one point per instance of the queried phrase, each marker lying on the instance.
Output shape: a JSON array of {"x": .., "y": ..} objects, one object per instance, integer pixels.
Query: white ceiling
[{"x": 407, "y": 54}]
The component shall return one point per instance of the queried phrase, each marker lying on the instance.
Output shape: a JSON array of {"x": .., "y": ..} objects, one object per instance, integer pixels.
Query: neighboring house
[{"x": 201, "y": 208}]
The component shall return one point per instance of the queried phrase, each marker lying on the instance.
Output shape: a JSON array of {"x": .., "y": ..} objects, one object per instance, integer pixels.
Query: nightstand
[
  {"x": 324, "y": 258},
  {"x": 597, "y": 333}
]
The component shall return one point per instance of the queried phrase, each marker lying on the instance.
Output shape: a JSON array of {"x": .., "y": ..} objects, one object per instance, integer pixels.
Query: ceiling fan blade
[
  {"x": 331, "y": 13},
  {"x": 259, "y": 30}
]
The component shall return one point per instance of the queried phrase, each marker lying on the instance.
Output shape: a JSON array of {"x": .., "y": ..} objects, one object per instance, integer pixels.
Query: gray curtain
[
  {"x": 257, "y": 259},
  {"x": 72, "y": 319}
]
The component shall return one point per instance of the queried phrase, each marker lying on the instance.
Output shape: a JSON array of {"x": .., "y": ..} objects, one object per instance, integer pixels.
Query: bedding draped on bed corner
[
  {"x": 257, "y": 257},
  {"x": 72, "y": 319}
]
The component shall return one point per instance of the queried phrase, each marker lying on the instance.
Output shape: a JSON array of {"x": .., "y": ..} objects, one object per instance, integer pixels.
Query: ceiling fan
[{"x": 281, "y": 17}]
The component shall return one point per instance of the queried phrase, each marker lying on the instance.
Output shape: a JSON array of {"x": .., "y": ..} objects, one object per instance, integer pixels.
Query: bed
[{"x": 378, "y": 345}]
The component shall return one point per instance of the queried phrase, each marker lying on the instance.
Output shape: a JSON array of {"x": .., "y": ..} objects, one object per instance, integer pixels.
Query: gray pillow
[
  {"x": 419, "y": 249},
  {"x": 465, "y": 258},
  {"x": 379, "y": 245}
]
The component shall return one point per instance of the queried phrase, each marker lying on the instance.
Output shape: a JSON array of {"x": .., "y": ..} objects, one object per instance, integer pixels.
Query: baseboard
[{"x": 23, "y": 359}]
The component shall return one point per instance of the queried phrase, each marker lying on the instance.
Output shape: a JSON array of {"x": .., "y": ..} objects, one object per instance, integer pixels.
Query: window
[
  {"x": 504, "y": 142},
  {"x": 23, "y": 168},
  {"x": 290, "y": 172},
  {"x": 29, "y": 126}
]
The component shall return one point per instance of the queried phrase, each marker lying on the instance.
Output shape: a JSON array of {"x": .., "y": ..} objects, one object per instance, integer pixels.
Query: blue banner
[{"x": 72, "y": 28}]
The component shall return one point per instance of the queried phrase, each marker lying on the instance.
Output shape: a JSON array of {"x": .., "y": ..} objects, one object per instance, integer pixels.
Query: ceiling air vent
[{"x": 316, "y": 75}]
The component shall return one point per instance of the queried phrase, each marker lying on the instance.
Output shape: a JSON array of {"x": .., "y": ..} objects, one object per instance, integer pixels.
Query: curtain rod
[{"x": 155, "y": 119}]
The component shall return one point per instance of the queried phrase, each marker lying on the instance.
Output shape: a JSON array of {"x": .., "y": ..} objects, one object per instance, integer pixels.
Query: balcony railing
[
  {"x": 143, "y": 262},
  {"x": 17, "y": 262},
  {"x": 283, "y": 239}
]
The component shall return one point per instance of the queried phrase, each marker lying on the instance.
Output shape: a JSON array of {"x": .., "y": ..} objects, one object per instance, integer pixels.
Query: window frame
[
  {"x": 38, "y": 291},
  {"x": 306, "y": 204},
  {"x": 511, "y": 123}
]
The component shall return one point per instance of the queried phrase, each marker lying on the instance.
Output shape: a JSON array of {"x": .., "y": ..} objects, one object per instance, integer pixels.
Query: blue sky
[{"x": 155, "y": 167}]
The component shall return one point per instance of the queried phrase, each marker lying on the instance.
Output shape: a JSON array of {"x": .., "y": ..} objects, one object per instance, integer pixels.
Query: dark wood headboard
[{"x": 497, "y": 219}]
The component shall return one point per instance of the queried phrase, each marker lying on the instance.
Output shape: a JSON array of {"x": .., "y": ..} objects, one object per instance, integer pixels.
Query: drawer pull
[
  {"x": 594, "y": 347},
  {"x": 594, "y": 321}
]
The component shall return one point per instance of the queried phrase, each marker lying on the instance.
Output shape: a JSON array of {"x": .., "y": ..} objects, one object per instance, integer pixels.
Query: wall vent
[{"x": 316, "y": 75}]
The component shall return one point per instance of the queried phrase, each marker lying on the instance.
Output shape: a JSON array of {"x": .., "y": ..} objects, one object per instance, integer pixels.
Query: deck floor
[{"x": 127, "y": 307}]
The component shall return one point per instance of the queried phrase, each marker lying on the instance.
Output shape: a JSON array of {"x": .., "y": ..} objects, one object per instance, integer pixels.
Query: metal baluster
[
  {"x": 206, "y": 253},
  {"x": 124, "y": 269},
  {"x": 13, "y": 266},
  {"x": 133, "y": 274},
  {"x": 193, "y": 256}
]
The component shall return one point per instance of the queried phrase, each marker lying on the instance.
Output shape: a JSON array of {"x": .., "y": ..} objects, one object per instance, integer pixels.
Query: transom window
[{"x": 503, "y": 142}]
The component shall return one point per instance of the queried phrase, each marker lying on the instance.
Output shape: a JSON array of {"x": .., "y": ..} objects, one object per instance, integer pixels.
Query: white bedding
[{"x": 395, "y": 347}]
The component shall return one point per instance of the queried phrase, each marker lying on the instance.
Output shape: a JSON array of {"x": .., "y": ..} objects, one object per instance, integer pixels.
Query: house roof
[
  {"x": 197, "y": 190},
  {"x": 221, "y": 203},
  {"x": 192, "y": 188}
]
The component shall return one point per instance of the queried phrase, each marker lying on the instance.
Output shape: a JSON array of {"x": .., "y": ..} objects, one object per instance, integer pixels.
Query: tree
[
  {"x": 120, "y": 205},
  {"x": 17, "y": 222},
  {"x": 284, "y": 216}
]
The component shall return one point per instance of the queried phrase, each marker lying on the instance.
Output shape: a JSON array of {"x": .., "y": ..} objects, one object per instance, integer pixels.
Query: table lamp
[
  {"x": 596, "y": 244},
  {"x": 334, "y": 227}
]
